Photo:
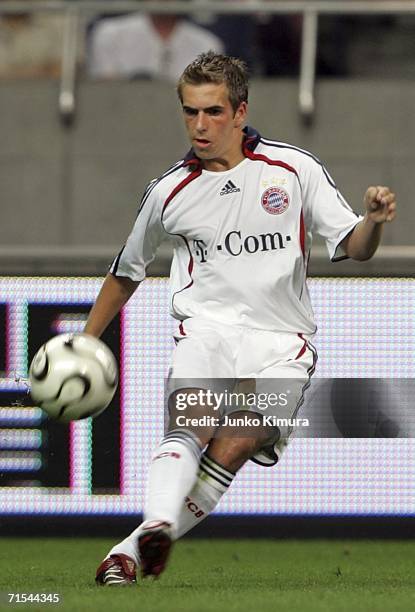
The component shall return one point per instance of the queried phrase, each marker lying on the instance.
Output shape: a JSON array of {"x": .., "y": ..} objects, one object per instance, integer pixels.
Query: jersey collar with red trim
[{"x": 250, "y": 142}]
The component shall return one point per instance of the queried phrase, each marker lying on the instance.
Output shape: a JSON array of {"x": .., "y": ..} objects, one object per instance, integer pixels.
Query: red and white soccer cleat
[
  {"x": 116, "y": 570},
  {"x": 154, "y": 545}
]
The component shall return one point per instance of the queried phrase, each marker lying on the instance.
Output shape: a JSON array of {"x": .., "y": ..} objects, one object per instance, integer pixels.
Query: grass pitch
[{"x": 220, "y": 575}]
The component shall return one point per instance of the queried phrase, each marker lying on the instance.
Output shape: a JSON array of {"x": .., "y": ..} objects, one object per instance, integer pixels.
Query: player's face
[{"x": 214, "y": 128}]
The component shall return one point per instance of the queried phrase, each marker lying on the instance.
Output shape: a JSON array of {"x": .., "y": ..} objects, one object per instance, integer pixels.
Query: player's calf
[{"x": 234, "y": 445}]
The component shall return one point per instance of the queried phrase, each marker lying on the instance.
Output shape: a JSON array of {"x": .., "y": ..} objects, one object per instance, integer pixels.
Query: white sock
[
  {"x": 127, "y": 547},
  {"x": 212, "y": 482},
  {"x": 172, "y": 474}
]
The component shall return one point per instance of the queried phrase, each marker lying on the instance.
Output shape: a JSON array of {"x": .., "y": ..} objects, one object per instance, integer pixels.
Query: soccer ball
[{"x": 73, "y": 376}]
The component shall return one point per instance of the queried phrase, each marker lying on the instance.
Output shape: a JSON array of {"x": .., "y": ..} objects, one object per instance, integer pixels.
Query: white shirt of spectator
[
  {"x": 242, "y": 237},
  {"x": 130, "y": 46}
]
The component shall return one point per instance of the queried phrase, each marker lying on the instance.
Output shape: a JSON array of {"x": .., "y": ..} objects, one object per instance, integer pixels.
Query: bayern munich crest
[{"x": 275, "y": 200}]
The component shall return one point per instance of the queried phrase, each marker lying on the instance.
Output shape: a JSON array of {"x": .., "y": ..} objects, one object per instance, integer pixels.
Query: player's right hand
[{"x": 380, "y": 204}]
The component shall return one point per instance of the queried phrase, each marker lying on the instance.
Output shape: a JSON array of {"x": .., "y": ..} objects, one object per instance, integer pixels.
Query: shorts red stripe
[{"x": 303, "y": 348}]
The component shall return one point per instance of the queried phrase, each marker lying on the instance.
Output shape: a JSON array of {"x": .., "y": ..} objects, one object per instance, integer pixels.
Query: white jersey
[{"x": 242, "y": 237}]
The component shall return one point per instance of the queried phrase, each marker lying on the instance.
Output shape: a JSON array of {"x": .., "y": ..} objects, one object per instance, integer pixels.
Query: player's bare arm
[
  {"x": 380, "y": 205},
  {"x": 114, "y": 293}
]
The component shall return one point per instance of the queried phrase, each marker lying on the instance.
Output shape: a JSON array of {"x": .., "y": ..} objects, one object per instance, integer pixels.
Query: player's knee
[
  {"x": 173, "y": 443},
  {"x": 188, "y": 414}
]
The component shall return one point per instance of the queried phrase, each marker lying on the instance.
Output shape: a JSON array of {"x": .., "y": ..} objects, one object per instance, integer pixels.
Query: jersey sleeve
[
  {"x": 330, "y": 214},
  {"x": 143, "y": 241}
]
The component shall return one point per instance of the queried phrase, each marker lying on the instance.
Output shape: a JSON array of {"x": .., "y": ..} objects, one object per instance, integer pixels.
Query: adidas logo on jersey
[{"x": 229, "y": 188}]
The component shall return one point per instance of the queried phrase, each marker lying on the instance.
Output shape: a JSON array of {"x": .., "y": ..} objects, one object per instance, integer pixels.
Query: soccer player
[{"x": 241, "y": 210}]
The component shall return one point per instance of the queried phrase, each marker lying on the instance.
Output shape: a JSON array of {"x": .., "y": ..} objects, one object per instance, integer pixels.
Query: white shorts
[{"x": 212, "y": 355}]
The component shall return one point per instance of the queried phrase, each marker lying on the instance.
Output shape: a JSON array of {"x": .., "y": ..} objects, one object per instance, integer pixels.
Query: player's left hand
[{"x": 380, "y": 204}]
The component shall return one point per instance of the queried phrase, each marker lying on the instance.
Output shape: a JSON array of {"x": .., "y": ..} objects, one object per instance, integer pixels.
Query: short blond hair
[{"x": 213, "y": 67}]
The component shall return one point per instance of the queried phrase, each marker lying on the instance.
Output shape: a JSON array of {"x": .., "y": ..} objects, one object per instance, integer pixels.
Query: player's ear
[{"x": 240, "y": 114}]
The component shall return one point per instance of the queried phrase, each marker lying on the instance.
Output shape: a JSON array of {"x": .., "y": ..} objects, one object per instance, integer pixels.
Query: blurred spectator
[
  {"x": 141, "y": 45},
  {"x": 30, "y": 45},
  {"x": 237, "y": 31},
  {"x": 382, "y": 46},
  {"x": 333, "y": 46},
  {"x": 279, "y": 45}
]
